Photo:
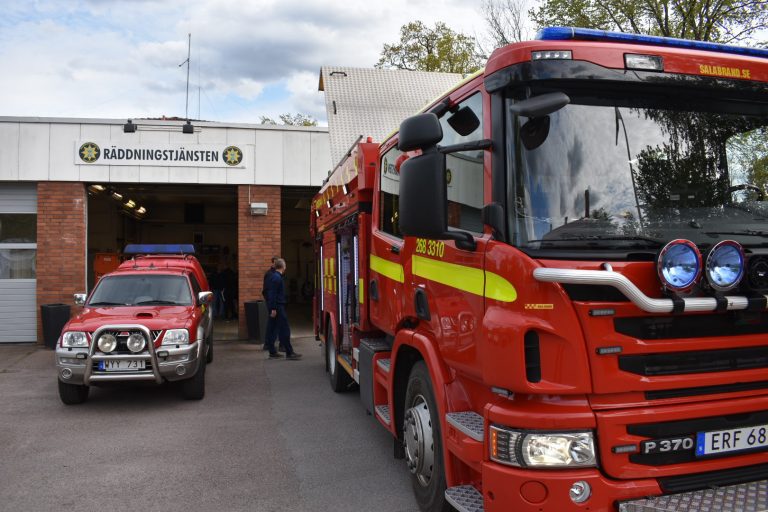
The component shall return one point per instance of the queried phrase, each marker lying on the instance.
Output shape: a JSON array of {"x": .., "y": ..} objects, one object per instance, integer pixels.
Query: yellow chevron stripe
[
  {"x": 467, "y": 279},
  {"x": 386, "y": 268}
]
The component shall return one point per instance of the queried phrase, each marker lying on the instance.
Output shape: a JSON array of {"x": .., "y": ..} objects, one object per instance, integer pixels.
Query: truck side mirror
[
  {"x": 419, "y": 132},
  {"x": 80, "y": 299},
  {"x": 204, "y": 298}
]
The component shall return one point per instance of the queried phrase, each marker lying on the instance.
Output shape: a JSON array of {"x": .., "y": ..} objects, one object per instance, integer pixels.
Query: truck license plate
[
  {"x": 121, "y": 365},
  {"x": 732, "y": 440}
]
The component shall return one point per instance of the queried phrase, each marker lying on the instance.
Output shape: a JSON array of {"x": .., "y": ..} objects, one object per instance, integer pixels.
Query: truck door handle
[{"x": 395, "y": 249}]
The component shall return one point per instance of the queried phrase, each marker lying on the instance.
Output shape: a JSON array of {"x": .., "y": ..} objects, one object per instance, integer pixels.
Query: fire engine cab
[
  {"x": 550, "y": 285},
  {"x": 147, "y": 321}
]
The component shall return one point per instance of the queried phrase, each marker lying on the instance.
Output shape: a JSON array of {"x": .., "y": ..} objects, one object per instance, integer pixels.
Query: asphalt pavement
[{"x": 270, "y": 435}]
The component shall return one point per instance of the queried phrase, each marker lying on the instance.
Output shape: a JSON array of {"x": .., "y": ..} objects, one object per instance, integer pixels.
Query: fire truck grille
[
  {"x": 732, "y": 323},
  {"x": 689, "y": 429},
  {"x": 678, "y": 363}
]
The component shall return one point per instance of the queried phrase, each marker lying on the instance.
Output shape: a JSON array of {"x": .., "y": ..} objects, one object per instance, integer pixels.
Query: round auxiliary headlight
[
  {"x": 135, "y": 343},
  {"x": 107, "y": 343},
  {"x": 679, "y": 265},
  {"x": 725, "y": 265}
]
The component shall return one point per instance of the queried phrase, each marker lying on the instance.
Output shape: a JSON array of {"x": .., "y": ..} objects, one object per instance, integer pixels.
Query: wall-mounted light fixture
[
  {"x": 258, "y": 208},
  {"x": 188, "y": 128},
  {"x": 129, "y": 127}
]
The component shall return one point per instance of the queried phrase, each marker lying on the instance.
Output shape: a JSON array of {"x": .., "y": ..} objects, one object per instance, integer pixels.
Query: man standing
[
  {"x": 277, "y": 324},
  {"x": 269, "y": 334}
]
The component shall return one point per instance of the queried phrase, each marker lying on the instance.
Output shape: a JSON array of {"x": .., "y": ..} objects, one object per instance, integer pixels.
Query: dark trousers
[{"x": 278, "y": 327}]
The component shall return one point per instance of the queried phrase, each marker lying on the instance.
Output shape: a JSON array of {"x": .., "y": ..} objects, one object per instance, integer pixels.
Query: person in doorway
[
  {"x": 217, "y": 287},
  {"x": 277, "y": 323},
  {"x": 229, "y": 279}
]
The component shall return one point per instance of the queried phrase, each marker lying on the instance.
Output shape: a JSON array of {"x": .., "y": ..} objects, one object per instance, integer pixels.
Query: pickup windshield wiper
[
  {"x": 157, "y": 302},
  {"x": 106, "y": 304},
  {"x": 599, "y": 238}
]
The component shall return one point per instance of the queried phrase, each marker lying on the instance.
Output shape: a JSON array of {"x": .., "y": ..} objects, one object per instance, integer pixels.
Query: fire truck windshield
[{"x": 605, "y": 173}]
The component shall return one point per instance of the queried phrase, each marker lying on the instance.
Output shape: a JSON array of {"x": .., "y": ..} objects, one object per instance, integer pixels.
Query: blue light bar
[
  {"x": 588, "y": 34},
  {"x": 159, "y": 249}
]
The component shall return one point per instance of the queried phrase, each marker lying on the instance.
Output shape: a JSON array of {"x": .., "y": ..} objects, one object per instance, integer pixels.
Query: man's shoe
[
  {"x": 275, "y": 356},
  {"x": 293, "y": 357}
]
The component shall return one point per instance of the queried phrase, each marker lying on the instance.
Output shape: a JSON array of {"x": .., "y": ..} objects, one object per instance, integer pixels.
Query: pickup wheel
[
  {"x": 194, "y": 388},
  {"x": 339, "y": 378},
  {"x": 72, "y": 394},
  {"x": 209, "y": 352},
  {"x": 423, "y": 442}
]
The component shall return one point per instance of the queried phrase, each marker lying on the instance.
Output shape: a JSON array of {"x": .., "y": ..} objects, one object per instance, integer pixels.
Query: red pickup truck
[{"x": 149, "y": 320}]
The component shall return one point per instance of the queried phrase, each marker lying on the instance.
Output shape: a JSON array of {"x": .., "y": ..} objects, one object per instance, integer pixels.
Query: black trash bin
[
  {"x": 256, "y": 320},
  {"x": 53, "y": 317}
]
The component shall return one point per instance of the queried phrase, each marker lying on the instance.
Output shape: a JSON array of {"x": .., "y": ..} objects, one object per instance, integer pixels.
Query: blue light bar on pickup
[
  {"x": 588, "y": 34},
  {"x": 159, "y": 249}
]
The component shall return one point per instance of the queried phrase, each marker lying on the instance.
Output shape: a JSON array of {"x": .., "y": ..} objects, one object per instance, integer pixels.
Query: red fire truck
[{"x": 550, "y": 286}]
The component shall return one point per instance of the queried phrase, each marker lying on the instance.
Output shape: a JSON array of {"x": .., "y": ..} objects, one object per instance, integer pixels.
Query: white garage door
[{"x": 18, "y": 252}]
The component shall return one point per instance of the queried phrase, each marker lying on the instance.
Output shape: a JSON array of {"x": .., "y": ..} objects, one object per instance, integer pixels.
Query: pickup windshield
[
  {"x": 142, "y": 290},
  {"x": 617, "y": 173}
]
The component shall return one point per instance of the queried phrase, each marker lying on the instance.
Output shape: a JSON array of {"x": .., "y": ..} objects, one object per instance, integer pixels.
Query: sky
[{"x": 249, "y": 58}]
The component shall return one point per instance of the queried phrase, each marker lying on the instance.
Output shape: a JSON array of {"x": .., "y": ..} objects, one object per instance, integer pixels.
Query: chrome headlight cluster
[
  {"x": 680, "y": 265},
  {"x": 74, "y": 339},
  {"x": 176, "y": 337},
  {"x": 107, "y": 343},
  {"x": 542, "y": 449}
]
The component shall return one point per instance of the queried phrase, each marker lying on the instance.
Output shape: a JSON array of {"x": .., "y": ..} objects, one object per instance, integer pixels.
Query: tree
[
  {"x": 431, "y": 49},
  {"x": 507, "y": 21},
  {"x": 291, "y": 120},
  {"x": 725, "y": 21}
]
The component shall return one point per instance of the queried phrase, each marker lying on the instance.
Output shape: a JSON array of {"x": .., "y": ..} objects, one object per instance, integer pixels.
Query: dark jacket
[
  {"x": 266, "y": 277},
  {"x": 274, "y": 290}
]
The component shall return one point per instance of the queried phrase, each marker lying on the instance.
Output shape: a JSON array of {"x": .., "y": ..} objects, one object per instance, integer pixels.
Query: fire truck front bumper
[{"x": 508, "y": 488}]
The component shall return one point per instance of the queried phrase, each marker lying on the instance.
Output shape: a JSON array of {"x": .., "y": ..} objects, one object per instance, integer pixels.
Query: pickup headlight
[
  {"x": 73, "y": 339},
  {"x": 176, "y": 337},
  {"x": 542, "y": 449}
]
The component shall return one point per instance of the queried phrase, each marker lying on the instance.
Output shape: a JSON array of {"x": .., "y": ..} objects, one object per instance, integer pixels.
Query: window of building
[{"x": 18, "y": 245}]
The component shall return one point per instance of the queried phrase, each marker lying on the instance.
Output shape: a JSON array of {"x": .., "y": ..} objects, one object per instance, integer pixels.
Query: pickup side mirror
[
  {"x": 204, "y": 298},
  {"x": 80, "y": 299},
  {"x": 423, "y": 201}
]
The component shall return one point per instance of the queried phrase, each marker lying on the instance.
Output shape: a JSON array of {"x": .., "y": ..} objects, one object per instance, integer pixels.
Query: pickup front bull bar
[{"x": 146, "y": 375}]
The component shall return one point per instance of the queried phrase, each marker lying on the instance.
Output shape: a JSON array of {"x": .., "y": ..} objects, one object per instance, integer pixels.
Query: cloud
[{"x": 97, "y": 58}]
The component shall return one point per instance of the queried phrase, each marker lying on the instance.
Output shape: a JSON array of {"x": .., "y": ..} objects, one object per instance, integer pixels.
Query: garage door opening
[{"x": 203, "y": 215}]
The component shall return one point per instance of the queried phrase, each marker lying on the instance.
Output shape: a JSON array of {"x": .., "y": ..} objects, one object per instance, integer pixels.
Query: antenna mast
[{"x": 189, "y": 52}]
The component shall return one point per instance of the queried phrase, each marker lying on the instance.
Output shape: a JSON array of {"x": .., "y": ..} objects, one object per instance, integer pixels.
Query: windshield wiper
[
  {"x": 599, "y": 238},
  {"x": 157, "y": 302},
  {"x": 106, "y": 304}
]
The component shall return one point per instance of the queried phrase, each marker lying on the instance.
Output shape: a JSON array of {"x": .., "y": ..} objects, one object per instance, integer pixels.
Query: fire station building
[{"x": 74, "y": 192}]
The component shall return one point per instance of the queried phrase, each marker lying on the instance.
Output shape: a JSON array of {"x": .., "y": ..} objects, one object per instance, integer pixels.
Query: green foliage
[
  {"x": 727, "y": 21},
  {"x": 431, "y": 49},
  {"x": 291, "y": 120}
]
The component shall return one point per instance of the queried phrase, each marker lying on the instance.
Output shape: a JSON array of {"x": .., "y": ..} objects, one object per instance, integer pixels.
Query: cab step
[
  {"x": 747, "y": 497},
  {"x": 382, "y": 411},
  {"x": 468, "y": 422},
  {"x": 384, "y": 364},
  {"x": 465, "y": 498}
]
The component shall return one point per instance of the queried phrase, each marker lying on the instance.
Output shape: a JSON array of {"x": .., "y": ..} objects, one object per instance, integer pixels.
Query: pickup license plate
[
  {"x": 732, "y": 440},
  {"x": 121, "y": 365}
]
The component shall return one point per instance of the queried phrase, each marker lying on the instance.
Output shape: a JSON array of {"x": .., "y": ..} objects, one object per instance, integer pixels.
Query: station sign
[{"x": 220, "y": 156}]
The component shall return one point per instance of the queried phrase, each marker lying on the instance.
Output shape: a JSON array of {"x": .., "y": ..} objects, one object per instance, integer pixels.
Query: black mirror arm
[
  {"x": 466, "y": 146},
  {"x": 464, "y": 240}
]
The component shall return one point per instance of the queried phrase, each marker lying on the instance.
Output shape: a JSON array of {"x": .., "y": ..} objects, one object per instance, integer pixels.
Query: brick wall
[
  {"x": 258, "y": 240},
  {"x": 61, "y": 243}
]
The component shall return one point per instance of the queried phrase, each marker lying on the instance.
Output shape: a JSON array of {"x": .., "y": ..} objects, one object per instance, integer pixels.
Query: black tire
[
  {"x": 209, "y": 346},
  {"x": 429, "y": 492},
  {"x": 339, "y": 378},
  {"x": 194, "y": 387},
  {"x": 72, "y": 394}
]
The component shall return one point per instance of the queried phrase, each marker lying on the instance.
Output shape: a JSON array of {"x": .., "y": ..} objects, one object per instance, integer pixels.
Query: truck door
[{"x": 386, "y": 278}]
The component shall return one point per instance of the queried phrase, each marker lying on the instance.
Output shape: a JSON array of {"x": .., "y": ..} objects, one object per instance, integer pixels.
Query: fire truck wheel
[
  {"x": 422, "y": 441},
  {"x": 194, "y": 388},
  {"x": 340, "y": 379},
  {"x": 72, "y": 394}
]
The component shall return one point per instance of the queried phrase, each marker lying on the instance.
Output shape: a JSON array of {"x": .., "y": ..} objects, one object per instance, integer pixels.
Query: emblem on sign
[
  {"x": 232, "y": 155},
  {"x": 89, "y": 152}
]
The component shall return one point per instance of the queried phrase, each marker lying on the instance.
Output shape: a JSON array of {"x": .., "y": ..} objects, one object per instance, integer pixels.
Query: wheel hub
[{"x": 419, "y": 443}]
